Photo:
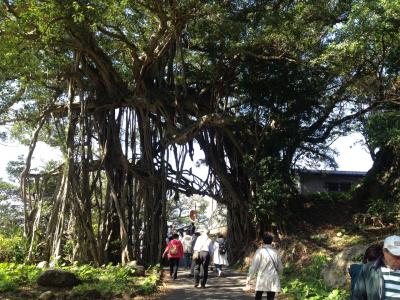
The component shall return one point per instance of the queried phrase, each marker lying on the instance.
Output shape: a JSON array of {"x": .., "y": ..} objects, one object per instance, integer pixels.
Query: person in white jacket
[
  {"x": 267, "y": 265},
  {"x": 219, "y": 257}
]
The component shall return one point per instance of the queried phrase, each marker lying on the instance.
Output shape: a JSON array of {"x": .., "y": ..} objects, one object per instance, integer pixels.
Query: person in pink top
[{"x": 175, "y": 252}]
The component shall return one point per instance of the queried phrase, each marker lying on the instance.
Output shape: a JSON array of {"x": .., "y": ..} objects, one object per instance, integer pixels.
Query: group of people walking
[
  {"x": 377, "y": 278},
  {"x": 199, "y": 250}
]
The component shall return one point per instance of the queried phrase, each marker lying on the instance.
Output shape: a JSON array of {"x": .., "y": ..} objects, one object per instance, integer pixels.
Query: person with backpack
[
  {"x": 175, "y": 252},
  {"x": 267, "y": 266},
  {"x": 220, "y": 254}
]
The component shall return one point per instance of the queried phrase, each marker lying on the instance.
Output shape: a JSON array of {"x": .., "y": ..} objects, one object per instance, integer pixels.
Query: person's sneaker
[
  {"x": 219, "y": 273},
  {"x": 196, "y": 285}
]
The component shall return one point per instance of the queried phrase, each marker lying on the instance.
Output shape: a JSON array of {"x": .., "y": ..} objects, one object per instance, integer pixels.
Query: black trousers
[
  {"x": 270, "y": 295},
  {"x": 202, "y": 264},
  {"x": 173, "y": 267}
]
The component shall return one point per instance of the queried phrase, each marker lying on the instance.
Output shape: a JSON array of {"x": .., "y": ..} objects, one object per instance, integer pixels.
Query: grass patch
[
  {"x": 114, "y": 280},
  {"x": 105, "y": 282},
  {"x": 13, "y": 275}
]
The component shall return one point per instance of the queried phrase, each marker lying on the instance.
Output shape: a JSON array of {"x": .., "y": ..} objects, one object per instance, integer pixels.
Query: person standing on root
[
  {"x": 267, "y": 266},
  {"x": 220, "y": 254},
  {"x": 175, "y": 252},
  {"x": 204, "y": 248}
]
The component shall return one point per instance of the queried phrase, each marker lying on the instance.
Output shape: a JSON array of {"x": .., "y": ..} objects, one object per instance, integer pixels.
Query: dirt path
[{"x": 229, "y": 286}]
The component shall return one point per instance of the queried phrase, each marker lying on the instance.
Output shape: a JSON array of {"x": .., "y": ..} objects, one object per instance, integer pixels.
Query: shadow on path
[{"x": 229, "y": 286}]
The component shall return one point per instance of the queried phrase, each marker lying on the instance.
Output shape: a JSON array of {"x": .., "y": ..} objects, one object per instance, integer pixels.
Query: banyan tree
[
  {"x": 125, "y": 89},
  {"x": 108, "y": 93}
]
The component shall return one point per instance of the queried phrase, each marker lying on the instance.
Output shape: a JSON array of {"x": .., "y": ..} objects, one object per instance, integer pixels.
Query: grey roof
[{"x": 331, "y": 172}]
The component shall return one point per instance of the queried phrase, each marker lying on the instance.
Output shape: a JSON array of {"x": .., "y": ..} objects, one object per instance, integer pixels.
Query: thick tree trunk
[
  {"x": 241, "y": 230},
  {"x": 236, "y": 196}
]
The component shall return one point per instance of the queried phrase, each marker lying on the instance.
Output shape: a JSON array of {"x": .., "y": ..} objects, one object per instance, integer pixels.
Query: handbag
[
  {"x": 196, "y": 255},
  {"x": 247, "y": 288}
]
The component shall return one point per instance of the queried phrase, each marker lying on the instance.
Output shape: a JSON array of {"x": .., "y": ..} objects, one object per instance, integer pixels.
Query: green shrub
[
  {"x": 14, "y": 275},
  {"x": 108, "y": 280},
  {"x": 326, "y": 198},
  {"x": 386, "y": 211},
  {"x": 114, "y": 280},
  {"x": 308, "y": 283},
  {"x": 12, "y": 249}
]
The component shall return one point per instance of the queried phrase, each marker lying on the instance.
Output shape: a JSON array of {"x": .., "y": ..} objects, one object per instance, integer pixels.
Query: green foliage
[
  {"x": 149, "y": 284},
  {"x": 13, "y": 276},
  {"x": 308, "y": 283},
  {"x": 272, "y": 191},
  {"x": 114, "y": 280},
  {"x": 12, "y": 245},
  {"x": 15, "y": 167},
  {"x": 108, "y": 280},
  {"x": 12, "y": 249},
  {"x": 324, "y": 198},
  {"x": 382, "y": 128},
  {"x": 10, "y": 208},
  {"x": 386, "y": 211}
]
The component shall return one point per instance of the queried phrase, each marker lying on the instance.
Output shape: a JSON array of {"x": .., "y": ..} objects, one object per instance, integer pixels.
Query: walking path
[{"x": 229, "y": 286}]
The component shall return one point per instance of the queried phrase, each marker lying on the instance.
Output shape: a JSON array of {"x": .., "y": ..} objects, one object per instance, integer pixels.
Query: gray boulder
[
  {"x": 140, "y": 270},
  {"x": 132, "y": 264},
  {"x": 42, "y": 265},
  {"x": 47, "y": 296},
  {"x": 336, "y": 273},
  {"x": 58, "y": 278}
]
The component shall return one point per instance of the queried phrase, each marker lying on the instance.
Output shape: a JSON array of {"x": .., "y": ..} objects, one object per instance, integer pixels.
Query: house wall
[{"x": 312, "y": 183}]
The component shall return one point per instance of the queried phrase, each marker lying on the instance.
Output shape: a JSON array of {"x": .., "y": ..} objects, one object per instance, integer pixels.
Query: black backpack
[{"x": 222, "y": 247}]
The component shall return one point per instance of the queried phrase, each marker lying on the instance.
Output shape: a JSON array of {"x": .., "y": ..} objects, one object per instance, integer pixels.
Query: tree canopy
[{"x": 125, "y": 88}]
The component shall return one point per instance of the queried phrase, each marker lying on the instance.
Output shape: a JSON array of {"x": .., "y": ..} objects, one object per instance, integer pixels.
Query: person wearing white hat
[{"x": 380, "y": 279}]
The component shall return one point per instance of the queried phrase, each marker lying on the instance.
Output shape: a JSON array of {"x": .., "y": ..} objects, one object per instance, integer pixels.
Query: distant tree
[
  {"x": 178, "y": 209},
  {"x": 372, "y": 36},
  {"x": 11, "y": 209},
  {"x": 14, "y": 168}
]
